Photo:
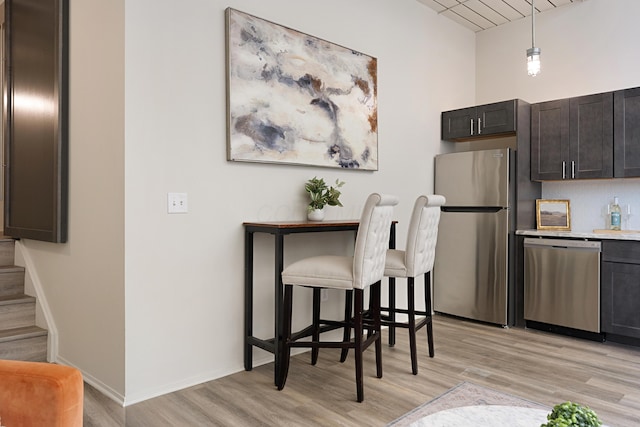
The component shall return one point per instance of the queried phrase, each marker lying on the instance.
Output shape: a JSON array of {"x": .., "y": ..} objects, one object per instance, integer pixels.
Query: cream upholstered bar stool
[
  {"x": 365, "y": 269},
  {"x": 417, "y": 259}
]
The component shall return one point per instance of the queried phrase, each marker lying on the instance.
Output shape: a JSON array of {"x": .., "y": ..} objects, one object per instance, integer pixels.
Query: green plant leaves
[
  {"x": 321, "y": 194},
  {"x": 569, "y": 414}
]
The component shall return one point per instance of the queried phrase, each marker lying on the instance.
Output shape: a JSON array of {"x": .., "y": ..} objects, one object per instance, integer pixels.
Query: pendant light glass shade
[
  {"x": 533, "y": 54},
  {"x": 533, "y": 61}
]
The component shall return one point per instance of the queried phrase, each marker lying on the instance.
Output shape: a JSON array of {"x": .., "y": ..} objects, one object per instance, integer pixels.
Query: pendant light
[{"x": 533, "y": 54}]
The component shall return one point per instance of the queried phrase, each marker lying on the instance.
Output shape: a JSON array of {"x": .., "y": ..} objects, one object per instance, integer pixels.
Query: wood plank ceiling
[{"x": 478, "y": 15}]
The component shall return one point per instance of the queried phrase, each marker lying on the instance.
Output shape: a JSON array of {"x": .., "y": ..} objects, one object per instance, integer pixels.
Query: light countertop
[{"x": 618, "y": 235}]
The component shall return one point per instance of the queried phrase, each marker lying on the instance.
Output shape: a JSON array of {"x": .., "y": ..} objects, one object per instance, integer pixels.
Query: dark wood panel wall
[{"x": 36, "y": 137}]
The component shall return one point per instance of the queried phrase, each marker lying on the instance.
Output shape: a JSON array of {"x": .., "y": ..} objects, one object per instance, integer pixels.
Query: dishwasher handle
[{"x": 588, "y": 245}]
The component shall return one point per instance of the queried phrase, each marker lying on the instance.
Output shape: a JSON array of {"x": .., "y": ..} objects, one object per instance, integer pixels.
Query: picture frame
[
  {"x": 553, "y": 214},
  {"x": 296, "y": 99}
]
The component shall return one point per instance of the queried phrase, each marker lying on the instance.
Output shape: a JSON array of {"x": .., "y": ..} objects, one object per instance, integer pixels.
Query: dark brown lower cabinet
[{"x": 620, "y": 289}]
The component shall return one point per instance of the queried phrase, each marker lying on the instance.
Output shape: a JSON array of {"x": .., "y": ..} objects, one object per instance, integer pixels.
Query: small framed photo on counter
[{"x": 553, "y": 215}]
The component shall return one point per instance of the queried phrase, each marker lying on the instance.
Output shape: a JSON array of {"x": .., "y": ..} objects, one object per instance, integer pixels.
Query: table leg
[
  {"x": 248, "y": 300},
  {"x": 278, "y": 267}
]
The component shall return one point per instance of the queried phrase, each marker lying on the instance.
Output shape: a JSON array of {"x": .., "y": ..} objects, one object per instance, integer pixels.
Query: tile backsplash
[{"x": 589, "y": 200}]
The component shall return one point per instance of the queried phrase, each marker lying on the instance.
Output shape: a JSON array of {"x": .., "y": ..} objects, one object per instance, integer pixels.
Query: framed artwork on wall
[
  {"x": 296, "y": 99},
  {"x": 553, "y": 215}
]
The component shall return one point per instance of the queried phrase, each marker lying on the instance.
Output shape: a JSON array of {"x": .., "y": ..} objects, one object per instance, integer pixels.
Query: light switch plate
[{"x": 177, "y": 203}]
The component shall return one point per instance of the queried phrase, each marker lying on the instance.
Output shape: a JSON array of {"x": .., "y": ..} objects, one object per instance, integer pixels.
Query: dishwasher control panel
[{"x": 563, "y": 243}]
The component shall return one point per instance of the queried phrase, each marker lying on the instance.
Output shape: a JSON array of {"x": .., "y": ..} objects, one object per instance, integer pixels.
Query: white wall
[
  {"x": 588, "y": 47},
  {"x": 589, "y": 201},
  {"x": 184, "y": 273},
  {"x": 83, "y": 280}
]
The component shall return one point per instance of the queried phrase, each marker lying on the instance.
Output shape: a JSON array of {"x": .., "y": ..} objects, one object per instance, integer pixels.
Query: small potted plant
[
  {"x": 321, "y": 195},
  {"x": 570, "y": 414}
]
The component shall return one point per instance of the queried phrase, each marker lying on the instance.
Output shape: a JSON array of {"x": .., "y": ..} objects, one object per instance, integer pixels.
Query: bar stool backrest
[
  {"x": 423, "y": 234},
  {"x": 372, "y": 240}
]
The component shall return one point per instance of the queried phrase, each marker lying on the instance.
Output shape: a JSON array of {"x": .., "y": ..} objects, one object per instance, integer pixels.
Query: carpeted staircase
[{"x": 20, "y": 338}]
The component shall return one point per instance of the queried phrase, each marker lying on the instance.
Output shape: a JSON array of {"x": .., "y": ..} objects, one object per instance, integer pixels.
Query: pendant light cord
[{"x": 533, "y": 25}]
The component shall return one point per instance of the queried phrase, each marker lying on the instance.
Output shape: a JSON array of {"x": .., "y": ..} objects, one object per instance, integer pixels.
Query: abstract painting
[{"x": 294, "y": 98}]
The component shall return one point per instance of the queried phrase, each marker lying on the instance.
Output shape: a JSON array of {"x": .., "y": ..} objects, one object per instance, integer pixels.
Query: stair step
[
  {"x": 26, "y": 343},
  {"x": 11, "y": 280},
  {"x": 18, "y": 298},
  {"x": 17, "y": 310},
  {"x": 13, "y": 334},
  {"x": 20, "y": 339},
  {"x": 7, "y": 250}
]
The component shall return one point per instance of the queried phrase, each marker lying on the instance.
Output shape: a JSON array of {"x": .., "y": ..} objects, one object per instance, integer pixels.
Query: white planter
[{"x": 315, "y": 215}]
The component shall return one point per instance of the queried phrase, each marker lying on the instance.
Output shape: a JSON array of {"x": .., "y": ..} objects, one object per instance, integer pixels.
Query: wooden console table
[{"x": 280, "y": 229}]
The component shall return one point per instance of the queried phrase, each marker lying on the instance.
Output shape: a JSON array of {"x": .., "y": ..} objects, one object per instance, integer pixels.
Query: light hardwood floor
[{"x": 539, "y": 366}]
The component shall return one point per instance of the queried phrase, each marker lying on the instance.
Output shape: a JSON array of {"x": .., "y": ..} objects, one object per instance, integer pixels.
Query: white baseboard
[{"x": 95, "y": 383}]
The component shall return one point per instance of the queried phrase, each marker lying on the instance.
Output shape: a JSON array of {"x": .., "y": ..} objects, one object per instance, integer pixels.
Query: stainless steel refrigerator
[{"x": 473, "y": 253}]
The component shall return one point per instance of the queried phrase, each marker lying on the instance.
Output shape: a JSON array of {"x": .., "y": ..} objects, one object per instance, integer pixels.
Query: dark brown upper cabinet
[
  {"x": 626, "y": 118},
  {"x": 572, "y": 138},
  {"x": 36, "y": 81},
  {"x": 549, "y": 139},
  {"x": 480, "y": 121}
]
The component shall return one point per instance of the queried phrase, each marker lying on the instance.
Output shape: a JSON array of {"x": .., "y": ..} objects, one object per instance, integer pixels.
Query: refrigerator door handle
[
  {"x": 564, "y": 175},
  {"x": 471, "y": 127}
]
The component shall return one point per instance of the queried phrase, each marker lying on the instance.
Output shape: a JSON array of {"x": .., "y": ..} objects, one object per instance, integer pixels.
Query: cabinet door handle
[
  {"x": 573, "y": 169},
  {"x": 479, "y": 125},
  {"x": 564, "y": 175},
  {"x": 471, "y": 126}
]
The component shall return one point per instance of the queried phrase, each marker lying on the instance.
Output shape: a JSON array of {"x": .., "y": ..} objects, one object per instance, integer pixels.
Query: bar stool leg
[
  {"x": 358, "y": 331},
  {"x": 427, "y": 303},
  {"x": 346, "y": 336},
  {"x": 375, "y": 297},
  {"x": 412, "y": 325},
  {"x": 316, "y": 324}
]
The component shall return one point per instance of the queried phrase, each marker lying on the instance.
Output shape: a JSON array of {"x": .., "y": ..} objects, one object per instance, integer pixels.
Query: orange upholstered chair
[{"x": 40, "y": 394}]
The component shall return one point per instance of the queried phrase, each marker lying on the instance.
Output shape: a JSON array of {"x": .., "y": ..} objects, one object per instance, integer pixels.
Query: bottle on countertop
[{"x": 615, "y": 215}]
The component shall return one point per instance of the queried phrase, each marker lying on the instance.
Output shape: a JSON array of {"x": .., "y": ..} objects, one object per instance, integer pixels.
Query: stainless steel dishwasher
[{"x": 562, "y": 283}]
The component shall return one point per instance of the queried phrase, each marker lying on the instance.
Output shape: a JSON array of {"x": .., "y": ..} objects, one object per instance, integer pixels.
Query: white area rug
[{"x": 468, "y": 404}]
